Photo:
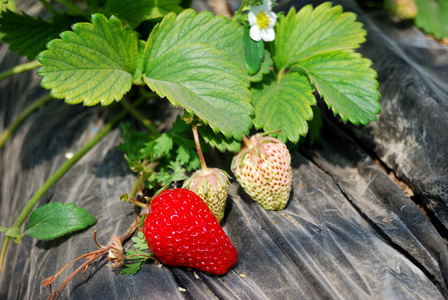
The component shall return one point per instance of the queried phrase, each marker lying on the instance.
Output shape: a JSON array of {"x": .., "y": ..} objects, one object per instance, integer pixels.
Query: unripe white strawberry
[
  {"x": 212, "y": 185},
  {"x": 402, "y": 9},
  {"x": 263, "y": 169}
]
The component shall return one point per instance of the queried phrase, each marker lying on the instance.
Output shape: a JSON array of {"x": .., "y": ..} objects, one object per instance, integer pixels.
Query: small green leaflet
[
  {"x": 284, "y": 105},
  {"x": 219, "y": 141},
  {"x": 91, "y": 64},
  {"x": 310, "y": 32},
  {"x": 347, "y": 84},
  {"x": 140, "y": 255},
  {"x": 140, "y": 241},
  {"x": 432, "y": 17},
  {"x": 133, "y": 142},
  {"x": 253, "y": 52},
  {"x": 136, "y": 11},
  {"x": 176, "y": 145},
  {"x": 28, "y": 35},
  {"x": 196, "y": 61},
  {"x": 53, "y": 220},
  {"x": 265, "y": 68}
]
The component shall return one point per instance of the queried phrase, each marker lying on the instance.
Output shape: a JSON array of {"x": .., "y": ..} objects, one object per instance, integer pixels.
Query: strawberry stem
[{"x": 198, "y": 147}]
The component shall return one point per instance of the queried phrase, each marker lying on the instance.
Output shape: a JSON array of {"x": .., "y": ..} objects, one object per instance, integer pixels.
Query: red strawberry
[{"x": 182, "y": 231}]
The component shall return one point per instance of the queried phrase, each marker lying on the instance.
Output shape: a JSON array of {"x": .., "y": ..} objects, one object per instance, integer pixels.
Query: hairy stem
[
  {"x": 198, "y": 147},
  {"x": 240, "y": 10},
  {"x": 6, "y": 134},
  {"x": 20, "y": 68},
  {"x": 60, "y": 172}
]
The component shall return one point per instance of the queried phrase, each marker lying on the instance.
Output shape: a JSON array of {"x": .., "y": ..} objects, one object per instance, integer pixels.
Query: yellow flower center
[{"x": 262, "y": 20}]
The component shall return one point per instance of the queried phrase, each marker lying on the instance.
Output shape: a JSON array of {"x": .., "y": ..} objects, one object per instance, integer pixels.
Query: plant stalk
[
  {"x": 145, "y": 121},
  {"x": 20, "y": 68},
  {"x": 3, "y": 253},
  {"x": 6, "y": 134},
  {"x": 198, "y": 147},
  {"x": 57, "y": 175},
  {"x": 240, "y": 10}
]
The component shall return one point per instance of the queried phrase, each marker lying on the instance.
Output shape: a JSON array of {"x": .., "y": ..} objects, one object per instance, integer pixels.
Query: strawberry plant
[{"x": 256, "y": 72}]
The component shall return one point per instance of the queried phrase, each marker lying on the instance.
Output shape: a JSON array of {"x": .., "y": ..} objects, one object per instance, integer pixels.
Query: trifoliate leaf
[
  {"x": 284, "y": 105},
  {"x": 53, "y": 220},
  {"x": 310, "y": 32},
  {"x": 196, "y": 61},
  {"x": 91, "y": 64},
  {"x": 265, "y": 68},
  {"x": 432, "y": 17},
  {"x": 28, "y": 35},
  {"x": 136, "y": 11},
  {"x": 347, "y": 84}
]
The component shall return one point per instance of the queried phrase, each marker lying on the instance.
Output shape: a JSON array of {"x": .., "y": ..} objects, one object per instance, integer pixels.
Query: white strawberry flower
[{"x": 262, "y": 21}]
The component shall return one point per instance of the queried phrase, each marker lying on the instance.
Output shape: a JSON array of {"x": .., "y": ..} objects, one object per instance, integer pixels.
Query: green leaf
[
  {"x": 140, "y": 241},
  {"x": 141, "y": 53},
  {"x": 53, "y": 220},
  {"x": 311, "y": 32},
  {"x": 315, "y": 126},
  {"x": 189, "y": 27},
  {"x": 133, "y": 142},
  {"x": 159, "y": 147},
  {"x": 196, "y": 61},
  {"x": 253, "y": 52},
  {"x": 347, "y": 84},
  {"x": 432, "y": 17},
  {"x": 265, "y": 68},
  {"x": 174, "y": 172},
  {"x": 28, "y": 35},
  {"x": 138, "y": 254},
  {"x": 136, "y": 11},
  {"x": 132, "y": 269},
  {"x": 219, "y": 141},
  {"x": 94, "y": 63},
  {"x": 284, "y": 105}
]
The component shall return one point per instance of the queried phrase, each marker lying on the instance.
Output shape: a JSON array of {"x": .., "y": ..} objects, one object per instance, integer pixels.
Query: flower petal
[
  {"x": 272, "y": 19},
  {"x": 268, "y": 34},
  {"x": 255, "y": 33},
  {"x": 252, "y": 18}
]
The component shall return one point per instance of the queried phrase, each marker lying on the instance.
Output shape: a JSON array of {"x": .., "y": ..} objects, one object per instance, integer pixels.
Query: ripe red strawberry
[
  {"x": 263, "y": 169},
  {"x": 181, "y": 231},
  {"x": 212, "y": 185}
]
